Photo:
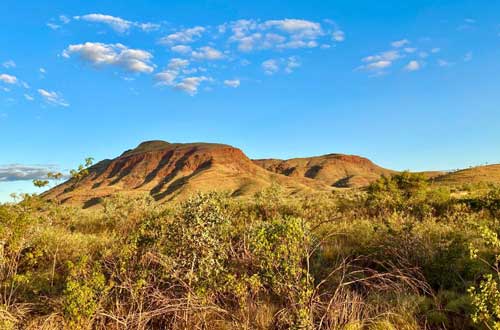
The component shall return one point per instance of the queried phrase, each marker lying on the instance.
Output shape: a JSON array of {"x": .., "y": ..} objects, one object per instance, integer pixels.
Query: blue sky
[{"x": 409, "y": 84}]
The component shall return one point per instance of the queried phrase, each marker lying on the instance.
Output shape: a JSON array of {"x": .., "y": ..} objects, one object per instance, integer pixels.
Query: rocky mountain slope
[
  {"x": 170, "y": 171},
  {"x": 473, "y": 175},
  {"x": 335, "y": 170}
]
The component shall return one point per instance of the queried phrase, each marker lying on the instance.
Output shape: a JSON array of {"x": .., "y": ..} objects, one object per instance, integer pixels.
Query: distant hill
[
  {"x": 170, "y": 171},
  {"x": 336, "y": 170},
  {"x": 479, "y": 174}
]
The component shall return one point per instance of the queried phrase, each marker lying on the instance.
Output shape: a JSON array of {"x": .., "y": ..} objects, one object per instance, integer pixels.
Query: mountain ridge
[
  {"x": 169, "y": 171},
  {"x": 174, "y": 171}
]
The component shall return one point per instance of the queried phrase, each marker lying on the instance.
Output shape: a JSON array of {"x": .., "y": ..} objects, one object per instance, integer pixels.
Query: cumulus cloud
[
  {"x": 18, "y": 172},
  {"x": 232, "y": 83},
  {"x": 413, "y": 58},
  {"x": 444, "y": 63},
  {"x": 99, "y": 54},
  {"x": 413, "y": 66},
  {"x": 53, "y": 98},
  {"x": 117, "y": 23},
  {"x": 183, "y": 36},
  {"x": 190, "y": 84},
  {"x": 291, "y": 64},
  {"x": 56, "y": 25},
  {"x": 379, "y": 65},
  {"x": 400, "y": 43},
  {"x": 270, "y": 66},
  {"x": 29, "y": 97},
  {"x": 298, "y": 28},
  {"x": 64, "y": 19},
  {"x": 338, "y": 35},
  {"x": 177, "y": 63},
  {"x": 9, "y": 64},
  {"x": 167, "y": 77},
  {"x": 390, "y": 55},
  {"x": 250, "y": 35},
  {"x": 53, "y": 26},
  {"x": 174, "y": 76},
  {"x": 181, "y": 49},
  {"x": 207, "y": 53},
  {"x": 8, "y": 79}
]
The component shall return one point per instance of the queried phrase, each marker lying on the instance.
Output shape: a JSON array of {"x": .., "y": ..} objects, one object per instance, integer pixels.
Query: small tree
[
  {"x": 82, "y": 170},
  {"x": 39, "y": 183}
]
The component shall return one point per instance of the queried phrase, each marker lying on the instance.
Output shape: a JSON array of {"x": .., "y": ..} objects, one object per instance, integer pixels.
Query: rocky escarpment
[
  {"x": 169, "y": 171},
  {"x": 335, "y": 170}
]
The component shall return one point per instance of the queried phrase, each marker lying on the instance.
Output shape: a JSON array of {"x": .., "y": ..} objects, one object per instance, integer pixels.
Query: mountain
[
  {"x": 336, "y": 170},
  {"x": 479, "y": 174},
  {"x": 174, "y": 171},
  {"x": 169, "y": 171}
]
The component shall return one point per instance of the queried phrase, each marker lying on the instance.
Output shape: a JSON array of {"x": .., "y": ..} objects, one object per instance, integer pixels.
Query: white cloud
[
  {"x": 173, "y": 77},
  {"x": 390, "y": 55},
  {"x": 468, "y": 57},
  {"x": 167, "y": 77},
  {"x": 252, "y": 35},
  {"x": 207, "y": 53},
  {"x": 190, "y": 85},
  {"x": 42, "y": 70},
  {"x": 338, "y": 35},
  {"x": 298, "y": 44},
  {"x": 435, "y": 50},
  {"x": 53, "y": 98},
  {"x": 444, "y": 63},
  {"x": 378, "y": 65},
  {"x": 181, "y": 49},
  {"x": 28, "y": 97},
  {"x": 232, "y": 83},
  {"x": 270, "y": 66},
  {"x": 298, "y": 28},
  {"x": 117, "y": 23},
  {"x": 413, "y": 66},
  {"x": 400, "y": 43},
  {"x": 410, "y": 50},
  {"x": 183, "y": 37},
  {"x": 64, "y": 19},
  {"x": 291, "y": 64},
  {"x": 9, "y": 64},
  {"x": 53, "y": 26},
  {"x": 99, "y": 54},
  {"x": 147, "y": 27},
  {"x": 423, "y": 54},
  {"x": 177, "y": 63},
  {"x": 8, "y": 79}
]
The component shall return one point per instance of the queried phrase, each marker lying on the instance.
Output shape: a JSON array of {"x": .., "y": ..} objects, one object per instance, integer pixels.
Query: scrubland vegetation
[{"x": 400, "y": 254}]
